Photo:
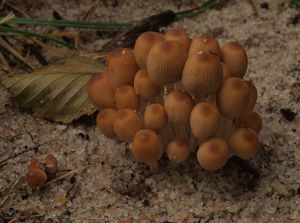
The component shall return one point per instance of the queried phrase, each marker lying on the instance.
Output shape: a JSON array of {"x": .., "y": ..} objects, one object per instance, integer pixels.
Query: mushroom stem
[
  {"x": 169, "y": 88},
  {"x": 225, "y": 127},
  {"x": 143, "y": 104},
  {"x": 181, "y": 131}
]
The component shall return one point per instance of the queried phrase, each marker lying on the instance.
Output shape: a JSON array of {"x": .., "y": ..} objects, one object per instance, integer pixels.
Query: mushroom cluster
[
  {"x": 180, "y": 96},
  {"x": 40, "y": 171}
]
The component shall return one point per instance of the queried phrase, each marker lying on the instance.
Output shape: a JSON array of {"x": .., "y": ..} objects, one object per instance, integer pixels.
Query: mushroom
[
  {"x": 100, "y": 91},
  {"x": 165, "y": 62},
  {"x": 252, "y": 95},
  {"x": 126, "y": 124},
  {"x": 205, "y": 120},
  {"x": 251, "y": 120},
  {"x": 121, "y": 67},
  {"x": 147, "y": 147},
  {"x": 243, "y": 142},
  {"x": 36, "y": 178},
  {"x": 226, "y": 72},
  {"x": 143, "y": 45},
  {"x": 105, "y": 120},
  {"x": 34, "y": 163},
  {"x": 213, "y": 154},
  {"x": 202, "y": 75},
  {"x": 51, "y": 164},
  {"x": 178, "y": 150},
  {"x": 155, "y": 117},
  {"x": 235, "y": 57},
  {"x": 126, "y": 97},
  {"x": 233, "y": 97},
  {"x": 205, "y": 43},
  {"x": 178, "y": 105},
  {"x": 179, "y": 35}
]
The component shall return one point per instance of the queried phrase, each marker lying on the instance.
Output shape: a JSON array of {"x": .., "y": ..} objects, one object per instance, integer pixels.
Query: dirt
[{"x": 115, "y": 188}]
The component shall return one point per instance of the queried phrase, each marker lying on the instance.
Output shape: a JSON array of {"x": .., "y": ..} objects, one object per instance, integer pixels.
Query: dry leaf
[{"x": 56, "y": 92}]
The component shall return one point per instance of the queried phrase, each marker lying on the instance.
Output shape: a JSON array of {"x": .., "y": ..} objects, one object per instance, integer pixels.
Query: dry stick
[{"x": 10, "y": 191}]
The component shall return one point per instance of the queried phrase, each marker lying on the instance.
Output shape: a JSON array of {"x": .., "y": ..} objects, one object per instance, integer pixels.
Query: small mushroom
[
  {"x": 178, "y": 150},
  {"x": 143, "y": 45},
  {"x": 179, "y": 35},
  {"x": 165, "y": 62},
  {"x": 205, "y": 43},
  {"x": 213, "y": 154},
  {"x": 243, "y": 142},
  {"x": 36, "y": 178},
  {"x": 235, "y": 57},
  {"x": 126, "y": 124},
  {"x": 105, "y": 120},
  {"x": 100, "y": 91},
  {"x": 251, "y": 120},
  {"x": 205, "y": 120},
  {"x": 144, "y": 86},
  {"x": 34, "y": 163},
  {"x": 147, "y": 147},
  {"x": 233, "y": 97},
  {"x": 202, "y": 75},
  {"x": 51, "y": 165},
  {"x": 155, "y": 117},
  {"x": 178, "y": 105},
  {"x": 122, "y": 67},
  {"x": 126, "y": 97}
]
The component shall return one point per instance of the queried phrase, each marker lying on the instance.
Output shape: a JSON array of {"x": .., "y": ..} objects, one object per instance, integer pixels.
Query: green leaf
[
  {"x": 56, "y": 92},
  {"x": 297, "y": 3}
]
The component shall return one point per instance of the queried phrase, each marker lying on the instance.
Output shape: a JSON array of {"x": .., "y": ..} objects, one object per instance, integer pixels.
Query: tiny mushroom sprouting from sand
[
  {"x": 178, "y": 150},
  {"x": 147, "y": 147},
  {"x": 213, "y": 154},
  {"x": 235, "y": 57},
  {"x": 105, "y": 120},
  {"x": 126, "y": 97},
  {"x": 127, "y": 122},
  {"x": 243, "y": 142},
  {"x": 51, "y": 165},
  {"x": 100, "y": 91},
  {"x": 36, "y": 178},
  {"x": 142, "y": 46},
  {"x": 34, "y": 163}
]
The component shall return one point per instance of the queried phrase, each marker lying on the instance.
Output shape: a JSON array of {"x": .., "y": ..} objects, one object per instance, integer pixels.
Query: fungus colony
[{"x": 179, "y": 96}]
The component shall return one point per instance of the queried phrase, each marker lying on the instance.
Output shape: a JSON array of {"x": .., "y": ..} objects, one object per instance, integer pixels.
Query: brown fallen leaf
[{"x": 56, "y": 92}]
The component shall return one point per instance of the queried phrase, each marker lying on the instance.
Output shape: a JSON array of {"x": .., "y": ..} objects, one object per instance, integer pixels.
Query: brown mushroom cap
[
  {"x": 213, "y": 154},
  {"x": 126, "y": 124},
  {"x": 244, "y": 143},
  {"x": 143, "y": 45},
  {"x": 251, "y": 120},
  {"x": 51, "y": 165},
  {"x": 226, "y": 71},
  {"x": 165, "y": 62},
  {"x": 155, "y": 117},
  {"x": 205, "y": 120},
  {"x": 178, "y": 105},
  {"x": 235, "y": 57},
  {"x": 126, "y": 97},
  {"x": 233, "y": 97},
  {"x": 105, "y": 120},
  {"x": 147, "y": 147},
  {"x": 144, "y": 86},
  {"x": 36, "y": 178},
  {"x": 178, "y": 150},
  {"x": 202, "y": 74},
  {"x": 205, "y": 43},
  {"x": 179, "y": 35},
  {"x": 122, "y": 67},
  {"x": 100, "y": 91},
  {"x": 34, "y": 163}
]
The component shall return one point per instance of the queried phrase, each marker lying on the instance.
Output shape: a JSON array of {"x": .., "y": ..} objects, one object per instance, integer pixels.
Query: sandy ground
[{"x": 115, "y": 188}]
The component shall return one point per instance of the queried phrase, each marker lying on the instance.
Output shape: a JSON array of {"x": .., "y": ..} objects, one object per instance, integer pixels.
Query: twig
[{"x": 91, "y": 11}]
